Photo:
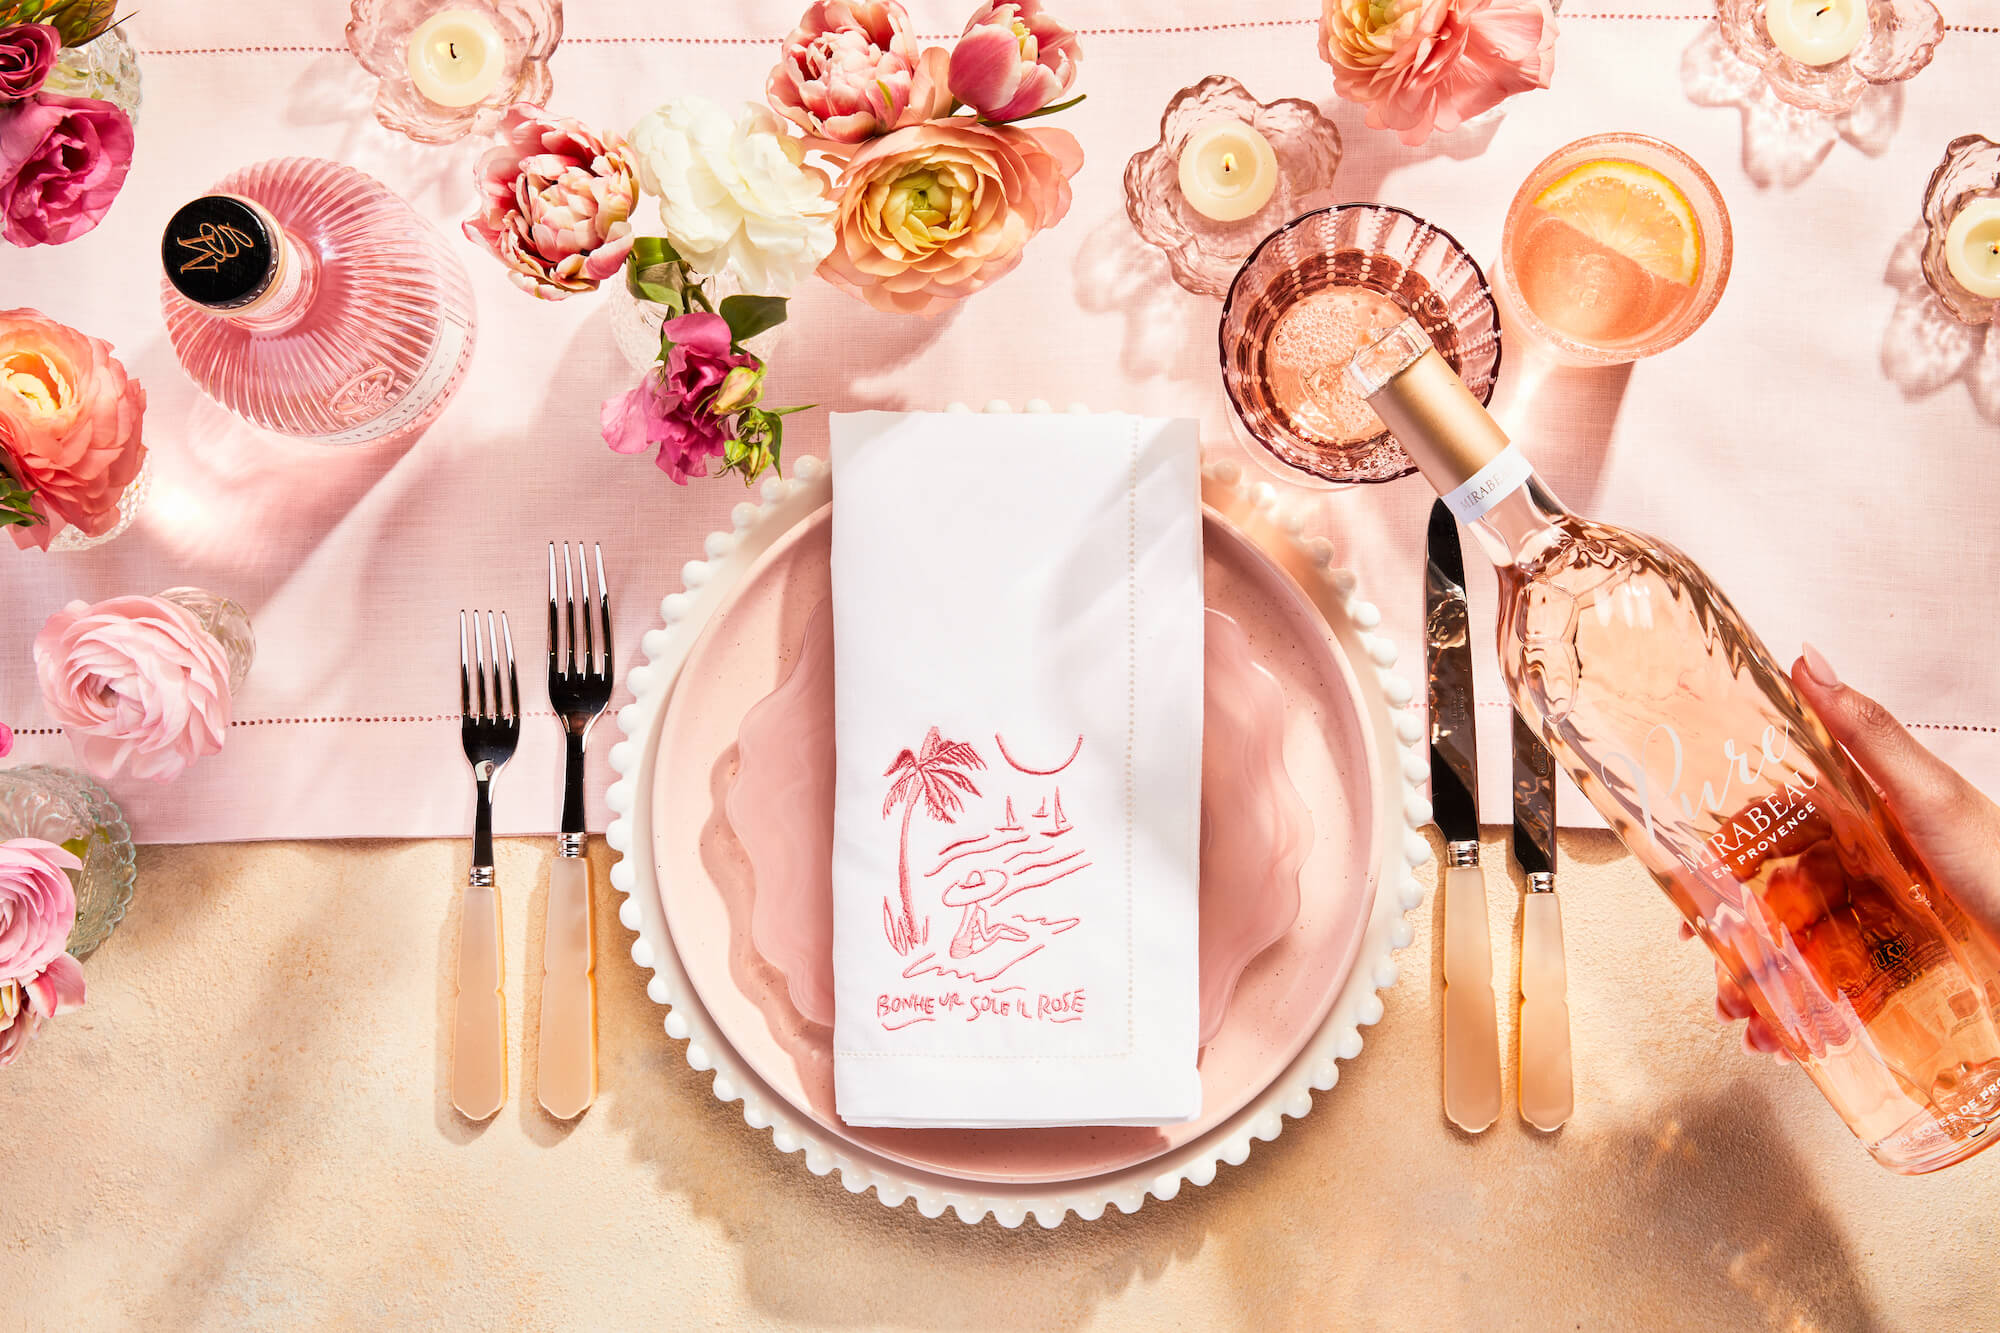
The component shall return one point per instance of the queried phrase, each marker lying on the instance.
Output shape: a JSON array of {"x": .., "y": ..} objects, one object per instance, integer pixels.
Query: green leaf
[
  {"x": 748, "y": 316},
  {"x": 17, "y": 502},
  {"x": 675, "y": 303},
  {"x": 648, "y": 251}
]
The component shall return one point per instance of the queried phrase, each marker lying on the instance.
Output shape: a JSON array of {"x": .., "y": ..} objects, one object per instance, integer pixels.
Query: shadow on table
[
  {"x": 1923, "y": 347},
  {"x": 334, "y": 91}
]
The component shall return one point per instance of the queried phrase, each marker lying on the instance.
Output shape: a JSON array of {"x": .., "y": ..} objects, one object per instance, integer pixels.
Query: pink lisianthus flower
[
  {"x": 674, "y": 409},
  {"x": 62, "y": 161},
  {"x": 139, "y": 684},
  {"x": 27, "y": 53},
  {"x": 1013, "y": 60},
  {"x": 1420, "y": 66},
  {"x": 851, "y": 70}
]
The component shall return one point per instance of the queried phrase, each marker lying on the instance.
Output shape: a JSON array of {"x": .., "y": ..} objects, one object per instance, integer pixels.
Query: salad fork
[
  {"x": 490, "y": 727},
  {"x": 579, "y": 689}
]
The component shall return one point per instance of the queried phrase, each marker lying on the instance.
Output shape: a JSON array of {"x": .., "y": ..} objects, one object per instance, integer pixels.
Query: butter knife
[
  {"x": 1471, "y": 1028},
  {"x": 1548, "y": 1095}
]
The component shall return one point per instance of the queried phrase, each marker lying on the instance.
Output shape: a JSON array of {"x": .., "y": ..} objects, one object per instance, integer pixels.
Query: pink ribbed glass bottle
[{"x": 307, "y": 298}]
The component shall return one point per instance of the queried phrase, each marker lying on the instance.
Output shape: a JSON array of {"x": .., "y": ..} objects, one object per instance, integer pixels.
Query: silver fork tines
[
  {"x": 490, "y": 720},
  {"x": 579, "y": 682}
]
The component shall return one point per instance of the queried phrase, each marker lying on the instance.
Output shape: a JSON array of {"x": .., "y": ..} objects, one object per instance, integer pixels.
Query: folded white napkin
[{"x": 1017, "y": 605}]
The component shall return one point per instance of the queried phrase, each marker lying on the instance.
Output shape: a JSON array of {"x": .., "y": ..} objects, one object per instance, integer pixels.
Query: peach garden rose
[{"x": 933, "y": 213}]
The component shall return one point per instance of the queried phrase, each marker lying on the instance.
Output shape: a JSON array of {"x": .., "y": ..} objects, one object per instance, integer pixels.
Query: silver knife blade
[
  {"x": 1448, "y": 668},
  {"x": 1534, "y": 801}
]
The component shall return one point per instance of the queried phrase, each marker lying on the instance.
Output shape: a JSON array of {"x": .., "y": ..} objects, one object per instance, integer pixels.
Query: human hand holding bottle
[{"x": 1951, "y": 824}]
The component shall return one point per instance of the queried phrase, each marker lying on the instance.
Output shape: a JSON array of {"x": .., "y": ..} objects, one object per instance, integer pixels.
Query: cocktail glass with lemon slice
[{"x": 1616, "y": 247}]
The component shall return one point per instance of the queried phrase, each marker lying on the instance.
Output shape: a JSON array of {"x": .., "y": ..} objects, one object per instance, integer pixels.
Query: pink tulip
[
  {"x": 851, "y": 70},
  {"x": 1013, "y": 60},
  {"x": 1425, "y": 65}
]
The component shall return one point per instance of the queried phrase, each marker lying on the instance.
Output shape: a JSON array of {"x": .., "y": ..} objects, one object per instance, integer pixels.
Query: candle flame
[{"x": 1228, "y": 164}]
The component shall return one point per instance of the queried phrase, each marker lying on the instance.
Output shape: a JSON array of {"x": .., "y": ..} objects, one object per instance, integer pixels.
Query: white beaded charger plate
[{"x": 1400, "y": 806}]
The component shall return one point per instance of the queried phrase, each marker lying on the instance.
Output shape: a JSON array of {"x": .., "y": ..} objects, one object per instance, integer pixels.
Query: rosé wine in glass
[
  {"x": 1673, "y": 719},
  {"x": 310, "y": 300},
  {"x": 1615, "y": 247}
]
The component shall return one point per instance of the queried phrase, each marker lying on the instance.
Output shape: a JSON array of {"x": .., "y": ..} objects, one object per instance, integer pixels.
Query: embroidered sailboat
[
  {"x": 1062, "y": 824},
  {"x": 1042, "y": 810},
  {"x": 1010, "y": 824}
]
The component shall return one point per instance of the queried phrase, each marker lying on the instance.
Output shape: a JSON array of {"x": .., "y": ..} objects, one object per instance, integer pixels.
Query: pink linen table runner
[{"x": 1827, "y": 461}]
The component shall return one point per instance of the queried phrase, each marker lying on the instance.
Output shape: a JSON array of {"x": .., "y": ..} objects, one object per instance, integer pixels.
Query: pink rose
[
  {"x": 139, "y": 684},
  {"x": 27, "y": 54},
  {"x": 556, "y": 203},
  {"x": 62, "y": 162},
  {"x": 933, "y": 213},
  {"x": 851, "y": 70},
  {"x": 675, "y": 407},
  {"x": 1012, "y": 60},
  {"x": 1424, "y": 65},
  {"x": 37, "y": 906},
  {"x": 69, "y": 424}
]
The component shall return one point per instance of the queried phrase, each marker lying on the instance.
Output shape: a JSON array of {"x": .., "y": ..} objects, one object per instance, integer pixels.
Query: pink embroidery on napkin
[
  {"x": 933, "y": 775},
  {"x": 1075, "y": 750}
]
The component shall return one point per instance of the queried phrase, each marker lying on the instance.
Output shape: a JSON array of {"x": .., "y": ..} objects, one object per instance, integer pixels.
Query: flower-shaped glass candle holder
[
  {"x": 449, "y": 68},
  {"x": 1822, "y": 55},
  {"x": 1962, "y": 230},
  {"x": 1316, "y": 292},
  {"x": 1204, "y": 251}
]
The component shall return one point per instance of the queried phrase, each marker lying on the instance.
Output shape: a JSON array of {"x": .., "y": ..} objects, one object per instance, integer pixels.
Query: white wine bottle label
[{"x": 1508, "y": 471}]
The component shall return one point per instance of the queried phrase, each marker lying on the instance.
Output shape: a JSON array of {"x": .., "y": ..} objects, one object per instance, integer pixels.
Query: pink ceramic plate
[
  {"x": 708, "y": 889},
  {"x": 1255, "y": 830}
]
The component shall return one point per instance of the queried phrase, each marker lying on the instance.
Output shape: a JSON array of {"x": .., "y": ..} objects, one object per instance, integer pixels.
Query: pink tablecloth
[{"x": 1837, "y": 492}]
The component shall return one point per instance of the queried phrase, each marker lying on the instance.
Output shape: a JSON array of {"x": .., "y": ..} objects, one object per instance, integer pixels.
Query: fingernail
[{"x": 1818, "y": 667}]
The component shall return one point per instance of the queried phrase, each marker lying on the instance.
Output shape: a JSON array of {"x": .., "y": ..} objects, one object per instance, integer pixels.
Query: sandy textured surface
[{"x": 249, "y": 1127}]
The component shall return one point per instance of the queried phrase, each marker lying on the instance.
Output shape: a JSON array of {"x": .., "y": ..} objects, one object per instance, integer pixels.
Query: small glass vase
[
  {"x": 636, "y": 323},
  {"x": 105, "y": 67},
  {"x": 63, "y": 806}
]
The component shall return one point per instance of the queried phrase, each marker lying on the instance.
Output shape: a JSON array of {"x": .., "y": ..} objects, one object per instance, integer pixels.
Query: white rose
[{"x": 733, "y": 194}]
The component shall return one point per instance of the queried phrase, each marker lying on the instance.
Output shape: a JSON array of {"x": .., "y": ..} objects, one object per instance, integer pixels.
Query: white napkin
[{"x": 1017, "y": 606}]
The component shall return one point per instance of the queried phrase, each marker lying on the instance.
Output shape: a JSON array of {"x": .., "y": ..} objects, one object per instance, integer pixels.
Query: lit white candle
[
  {"x": 1228, "y": 170},
  {"x": 1972, "y": 247},
  {"x": 1817, "y": 32},
  {"x": 457, "y": 57}
]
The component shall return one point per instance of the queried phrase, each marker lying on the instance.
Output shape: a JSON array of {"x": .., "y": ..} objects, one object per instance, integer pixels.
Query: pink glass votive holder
[
  {"x": 1901, "y": 37},
  {"x": 1202, "y": 252},
  {"x": 523, "y": 32},
  {"x": 1315, "y": 292},
  {"x": 1967, "y": 178}
]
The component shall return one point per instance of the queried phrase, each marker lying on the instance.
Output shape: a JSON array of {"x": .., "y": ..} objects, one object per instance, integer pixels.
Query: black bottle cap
[{"x": 220, "y": 251}]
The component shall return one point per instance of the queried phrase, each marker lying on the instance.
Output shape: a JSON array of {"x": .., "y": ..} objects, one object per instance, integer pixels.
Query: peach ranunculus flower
[
  {"x": 139, "y": 683},
  {"x": 69, "y": 425},
  {"x": 933, "y": 213},
  {"x": 1424, "y": 65}
]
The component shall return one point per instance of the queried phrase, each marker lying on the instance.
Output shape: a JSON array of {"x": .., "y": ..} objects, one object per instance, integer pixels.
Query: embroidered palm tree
[{"x": 932, "y": 777}]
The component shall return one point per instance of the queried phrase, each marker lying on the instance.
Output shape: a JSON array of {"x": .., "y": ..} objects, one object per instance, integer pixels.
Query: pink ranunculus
[
  {"x": 62, "y": 161},
  {"x": 27, "y": 53},
  {"x": 674, "y": 407},
  {"x": 37, "y": 906},
  {"x": 556, "y": 201},
  {"x": 70, "y": 422},
  {"x": 851, "y": 70},
  {"x": 139, "y": 684},
  {"x": 25, "y": 1004},
  {"x": 933, "y": 213},
  {"x": 1424, "y": 65},
  {"x": 1013, "y": 59},
  {"x": 18, "y": 1022}
]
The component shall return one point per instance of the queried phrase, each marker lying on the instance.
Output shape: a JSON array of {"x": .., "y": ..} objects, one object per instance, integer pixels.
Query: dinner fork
[
  {"x": 579, "y": 689},
  {"x": 490, "y": 727}
]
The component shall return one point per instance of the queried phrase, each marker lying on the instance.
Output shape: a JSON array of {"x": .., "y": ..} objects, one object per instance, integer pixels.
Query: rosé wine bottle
[
  {"x": 309, "y": 299},
  {"x": 1674, "y": 720}
]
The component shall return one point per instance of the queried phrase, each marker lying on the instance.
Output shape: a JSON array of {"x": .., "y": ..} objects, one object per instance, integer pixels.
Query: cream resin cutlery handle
[
  {"x": 1548, "y": 1096},
  {"x": 566, "y": 1082},
  {"x": 479, "y": 1029},
  {"x": 1471, "y": 1024}
]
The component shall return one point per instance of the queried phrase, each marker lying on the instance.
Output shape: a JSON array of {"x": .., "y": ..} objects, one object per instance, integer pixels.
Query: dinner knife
[
  {"x": 1471, "y": 1027},
  {"x": 1548, "y": 1095}
]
